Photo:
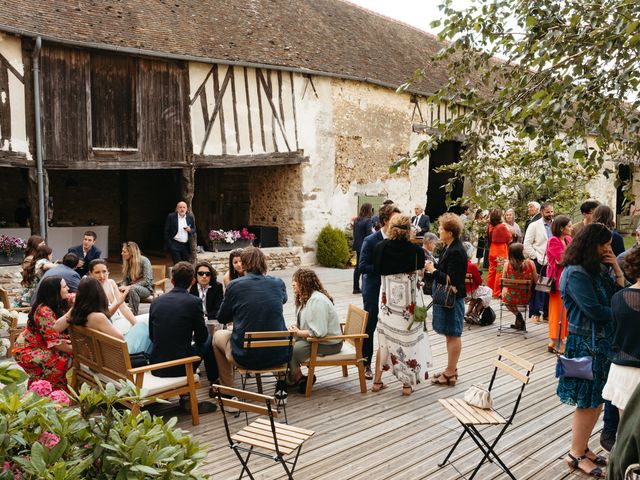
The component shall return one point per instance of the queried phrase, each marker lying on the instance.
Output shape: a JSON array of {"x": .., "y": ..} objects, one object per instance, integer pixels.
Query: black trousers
[{"x": 180, "y": 251}]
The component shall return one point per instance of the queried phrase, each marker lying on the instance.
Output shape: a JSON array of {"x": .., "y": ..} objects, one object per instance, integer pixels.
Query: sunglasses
[{"x": 204, "y": 274}]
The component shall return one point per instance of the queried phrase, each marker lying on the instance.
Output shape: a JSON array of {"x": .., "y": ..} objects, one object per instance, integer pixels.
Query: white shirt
[
  {"x": 182, "y": 236},
  {"x": 202, "y": 292}
]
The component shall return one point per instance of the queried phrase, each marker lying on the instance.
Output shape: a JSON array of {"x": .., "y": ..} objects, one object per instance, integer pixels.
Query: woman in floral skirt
[
  {"x": 41, "y": 349},
  {"x": 403, "y": 345}
]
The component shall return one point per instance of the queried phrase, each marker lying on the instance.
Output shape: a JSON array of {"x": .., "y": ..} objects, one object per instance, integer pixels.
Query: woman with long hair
[
  {"x": 517, "y": 267},
  {"x": 403, "y": 345},
  {"x": 316, "y": 317},
  {"x": 138, "y": 275},
  {"x": 134, "y": 328},
  {"x": 561, "y": 230},
  {"x": 33, "y": 242},
  {"x": 624, "y": 375},
  {"x": 235, "y": 269},
  {"x": 586, "y": 290},
  {"x": 452, "y": 269},
  {"x": 91, "y": 308},
  {"x": 31, "y": 275},
  {"x": 361, "y": 228},
  {"x": 41, "y": 349},
  {"x": 514, "y": 228},
  {"x": 208, "y": 290},
  {"x": 499, "y": 238}
]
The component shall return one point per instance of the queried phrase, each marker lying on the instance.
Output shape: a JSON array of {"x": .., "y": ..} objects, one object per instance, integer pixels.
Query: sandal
[
  {"x": 377, "y": 386},
  {"x": 599, "y": 460},
  {"x": 443, "y": 379},
  {"x": 407, "y": 390},
  {"x": 574, "y": 464}
]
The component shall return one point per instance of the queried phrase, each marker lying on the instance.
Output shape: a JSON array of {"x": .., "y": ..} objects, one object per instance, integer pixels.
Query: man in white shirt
[
  {"x": 420, "y": 221},
  {"x": 535, "y": 247},
  {"x": 179, "y": 228}
]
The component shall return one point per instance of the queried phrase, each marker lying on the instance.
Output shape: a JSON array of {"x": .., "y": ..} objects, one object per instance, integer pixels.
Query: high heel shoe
[{"x": 574, "y": 464}]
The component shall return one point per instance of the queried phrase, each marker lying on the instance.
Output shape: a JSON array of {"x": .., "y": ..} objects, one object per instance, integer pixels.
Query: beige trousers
[{"x": 224, "y": 357}]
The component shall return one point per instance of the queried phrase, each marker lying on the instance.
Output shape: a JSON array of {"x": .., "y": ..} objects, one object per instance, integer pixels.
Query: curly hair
[
  {"x": 632, "y": 263},
  {"x": 308, "y": 282},
  {"x": 43, "y": 251},
  {"x": 583, "y": 249},
  {"x": 399, "y": 227}
]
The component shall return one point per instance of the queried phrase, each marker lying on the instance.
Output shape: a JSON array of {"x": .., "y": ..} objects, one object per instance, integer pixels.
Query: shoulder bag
[
  {"x": 479, "y": 396},
  {"x": 545, "y": 283},
  {"x": 580, "y": 367},
  {"x": 444, "y": 295}
]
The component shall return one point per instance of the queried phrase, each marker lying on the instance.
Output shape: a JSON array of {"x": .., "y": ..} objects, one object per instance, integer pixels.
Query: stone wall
[
  {"x": 276, "y": 201},
  {"x": 10, "y": 278},
  {"x": 278, "y": 258}
]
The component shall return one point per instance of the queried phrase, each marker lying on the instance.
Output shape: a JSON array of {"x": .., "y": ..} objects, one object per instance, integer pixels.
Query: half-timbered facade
[{"x": 280, "y": 114}]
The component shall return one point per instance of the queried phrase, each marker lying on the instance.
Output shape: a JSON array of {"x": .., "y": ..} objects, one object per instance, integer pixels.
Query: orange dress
[{"x": 500, "y": 237}]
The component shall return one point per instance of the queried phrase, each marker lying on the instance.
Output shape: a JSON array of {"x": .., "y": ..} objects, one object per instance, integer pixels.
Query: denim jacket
[{"x": 587, "y": 298}]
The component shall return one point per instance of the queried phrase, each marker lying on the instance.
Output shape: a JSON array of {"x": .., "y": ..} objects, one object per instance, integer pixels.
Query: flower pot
[
  {"x": 226, "y": 247},
  {"x": 15, "y": 258}
]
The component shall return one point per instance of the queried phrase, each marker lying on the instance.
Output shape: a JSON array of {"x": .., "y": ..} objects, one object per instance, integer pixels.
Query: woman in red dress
[
  {"x": 41, "y": 349},
  {"x": 560, "y": 230},
  {"x": 518, "y": 268},
  {"x": 499, "y": 236}
]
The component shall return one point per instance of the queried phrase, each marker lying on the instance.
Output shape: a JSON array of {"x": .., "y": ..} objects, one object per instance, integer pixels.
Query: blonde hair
[
  {"x": 399, "y": 227},
  {"x": 308, "y": 282},
  {"x": 132, "y": 268}
]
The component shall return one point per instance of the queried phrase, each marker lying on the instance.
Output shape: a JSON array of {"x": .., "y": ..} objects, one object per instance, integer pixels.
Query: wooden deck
[{"x": 387, "y": 436}]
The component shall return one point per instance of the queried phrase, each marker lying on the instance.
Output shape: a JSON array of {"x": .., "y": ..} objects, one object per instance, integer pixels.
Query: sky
[{"x": 418, "y": 13}]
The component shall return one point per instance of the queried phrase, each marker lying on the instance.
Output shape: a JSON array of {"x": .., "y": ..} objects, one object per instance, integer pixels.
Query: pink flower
[
  {"x": 60, "y": 396},
  {"x": 49, "y": 440},
  {"x": 6, "y": 466},
  {"x": 41, "y": 387}
]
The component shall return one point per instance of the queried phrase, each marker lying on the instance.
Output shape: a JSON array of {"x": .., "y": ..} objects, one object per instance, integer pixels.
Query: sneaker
[
  {"x": 607, "y": 439},
  {"x": 536, "y": 319}
]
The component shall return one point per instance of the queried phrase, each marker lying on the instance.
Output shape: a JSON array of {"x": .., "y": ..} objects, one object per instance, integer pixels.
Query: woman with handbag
[
  {"x": 561, "y": 230},
  {"x": 499, "y": 237},
  {"x": 403, "y": 343},
  {"x": 448, "y": 294},
  {"x": 586, "y": 289}
]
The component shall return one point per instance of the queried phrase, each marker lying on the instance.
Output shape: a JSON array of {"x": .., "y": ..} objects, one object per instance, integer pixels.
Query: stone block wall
[
  {"x": 278, "y": 258},
  {"x": 10, "y": 278}
]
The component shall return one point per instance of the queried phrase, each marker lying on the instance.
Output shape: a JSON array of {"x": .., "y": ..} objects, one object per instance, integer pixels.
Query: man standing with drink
[{"x": 179, "y": 228}]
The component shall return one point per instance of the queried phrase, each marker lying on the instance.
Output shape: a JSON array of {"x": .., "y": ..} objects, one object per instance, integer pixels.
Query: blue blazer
[
  {"x": 371, "y": 284},
  {"x": 423, "y": 224},
  {"x": 361, "y": 228},
  {"x": 93, "y": 253}
]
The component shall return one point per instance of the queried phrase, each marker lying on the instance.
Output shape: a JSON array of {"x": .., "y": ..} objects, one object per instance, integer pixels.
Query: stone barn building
[{"x": 265, "y": 113}]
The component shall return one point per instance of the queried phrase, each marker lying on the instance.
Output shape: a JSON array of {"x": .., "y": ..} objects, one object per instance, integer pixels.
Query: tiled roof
[{"x": 330, "y": 36}]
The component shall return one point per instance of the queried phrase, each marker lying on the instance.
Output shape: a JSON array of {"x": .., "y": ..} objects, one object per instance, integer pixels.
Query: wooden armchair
[
  {"x": 18, "y": 325},
  {"x": 159, "y": 282},
  {"x": 353, "y": 335}
]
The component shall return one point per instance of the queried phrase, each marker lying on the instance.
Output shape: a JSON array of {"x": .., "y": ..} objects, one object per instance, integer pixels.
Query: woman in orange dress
[
  {"x": 560, "y": 230},
  {"x": 499, "y": 237}
]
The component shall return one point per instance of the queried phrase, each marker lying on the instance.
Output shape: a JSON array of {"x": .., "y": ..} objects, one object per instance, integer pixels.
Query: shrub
[
  {"x": 333, "y": 250},
  {"x": 43, "y": 437}
]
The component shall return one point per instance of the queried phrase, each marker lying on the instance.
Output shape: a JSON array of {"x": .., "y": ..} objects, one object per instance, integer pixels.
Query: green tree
[{"x": 555, "y": 80}]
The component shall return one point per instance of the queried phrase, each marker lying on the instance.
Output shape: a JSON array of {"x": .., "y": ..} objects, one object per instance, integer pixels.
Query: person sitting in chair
[
  {"x": 86, "y": 252},
  {"x": 254, "y": 304}
]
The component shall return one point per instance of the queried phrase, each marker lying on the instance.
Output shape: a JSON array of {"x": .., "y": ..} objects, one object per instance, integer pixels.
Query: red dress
[
  {"x": 34, "y": 351},
  {"x": 514, "y": 296},
  {"x": 500, "y": 237}
]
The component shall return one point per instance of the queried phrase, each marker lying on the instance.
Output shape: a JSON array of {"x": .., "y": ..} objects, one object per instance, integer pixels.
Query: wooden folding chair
[
  {"x": 520, "y": 286},
  {"x": 351, "y": 354},
  {"x": 280, "y": 372},
  {"x": 17, "y": 325},
  {"x": 471, "y": 417},
  {"x": 277, "y": 440}
]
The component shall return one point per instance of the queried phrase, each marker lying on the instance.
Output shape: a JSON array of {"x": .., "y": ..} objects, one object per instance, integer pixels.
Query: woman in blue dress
[{"x": 591, "y": 277}]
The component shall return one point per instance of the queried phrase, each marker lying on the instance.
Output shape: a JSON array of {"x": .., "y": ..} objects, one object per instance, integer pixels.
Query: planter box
[
  {"x": 15, "y": 259},
  {"x": 227, "y": 247}
]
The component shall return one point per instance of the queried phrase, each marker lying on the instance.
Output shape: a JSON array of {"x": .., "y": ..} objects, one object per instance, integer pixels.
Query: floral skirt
[
  {"x": 579, "y": 392},
  {"x": 44, "y": 364}
]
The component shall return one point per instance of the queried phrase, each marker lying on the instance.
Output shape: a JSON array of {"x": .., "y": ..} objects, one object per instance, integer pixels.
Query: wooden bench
[{"x": 99, "y": 356}]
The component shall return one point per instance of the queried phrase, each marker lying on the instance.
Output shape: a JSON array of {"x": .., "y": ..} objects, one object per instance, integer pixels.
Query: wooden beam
[
  {"x": 267, "y": 89},
  {"x": 14, "y": 159},
  {"x": 256, "y": 160},
  {"x": 217, "y": 107},
  {"x": 11, "y": 68}
]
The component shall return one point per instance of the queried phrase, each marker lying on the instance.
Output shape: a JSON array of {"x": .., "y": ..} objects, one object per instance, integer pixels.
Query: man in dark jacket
[
  {"x": 177, "y": 330},
  {"x": 254, "y": 304},
  {"x": 371, "y": 282},
  {"x": 179, "y": 229},
  {"x": 86, "y": 252}
]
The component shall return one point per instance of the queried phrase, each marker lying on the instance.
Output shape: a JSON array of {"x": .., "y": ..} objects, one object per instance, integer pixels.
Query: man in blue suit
[
  {"x": 371, "y": 281},
  {"x": 86, "y": 252},
  {"x": 420, "y": 221}
]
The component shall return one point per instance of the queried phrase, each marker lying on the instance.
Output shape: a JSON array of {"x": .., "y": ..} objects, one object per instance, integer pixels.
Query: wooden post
[
  {"x": 187, "y": 189},
  {"x": 32, "y": 198}
]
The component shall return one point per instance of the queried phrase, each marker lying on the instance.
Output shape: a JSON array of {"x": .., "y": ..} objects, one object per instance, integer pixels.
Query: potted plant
[
  {"x": 11, "y": 250},
  {"x": 225, "y": 240}
]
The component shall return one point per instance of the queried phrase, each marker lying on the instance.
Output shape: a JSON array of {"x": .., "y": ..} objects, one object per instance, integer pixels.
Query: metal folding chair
[
  {"x": 471, "y": 417},
  {"x": 274, "y": 440},
  {"x": 520, "y": 286}
]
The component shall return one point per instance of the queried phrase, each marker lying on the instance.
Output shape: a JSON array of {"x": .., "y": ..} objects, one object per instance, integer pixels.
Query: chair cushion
[
  {"x": 152, "y": 384},
  {"x": 348, "y": 352}
]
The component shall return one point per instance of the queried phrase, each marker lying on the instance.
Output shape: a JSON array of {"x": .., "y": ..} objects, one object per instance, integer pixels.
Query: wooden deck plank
[{"x": 386, "y": 435}]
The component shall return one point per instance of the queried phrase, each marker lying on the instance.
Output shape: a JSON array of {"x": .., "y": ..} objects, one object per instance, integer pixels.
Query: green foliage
[
  {"x": 332, "y": 250},
  {"x": 42, "y": 439},
  {"x": 562, "y": 102}
]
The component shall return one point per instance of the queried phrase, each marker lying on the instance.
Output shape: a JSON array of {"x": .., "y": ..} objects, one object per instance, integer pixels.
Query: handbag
[
  {"x": 544, "y": 283},
  {"x": 479, "y": 396},
  {"x": 420, "y": 311},
  {"x": 580, "y": 367},
  {"x": 444, "y": 295}
]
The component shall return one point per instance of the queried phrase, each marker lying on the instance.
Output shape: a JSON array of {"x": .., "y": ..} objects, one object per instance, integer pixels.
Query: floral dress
[
  {"x": 404, "y": 347},
  {"x": 512, "y": 296},
  {"x": 35, "y": 352}
]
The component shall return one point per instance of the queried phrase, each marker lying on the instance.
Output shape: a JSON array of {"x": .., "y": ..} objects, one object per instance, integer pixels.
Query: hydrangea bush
[
  {"x": 49, "y": 434},
  {"x": 230, "y": 236},
  {"x": 10, "y": 245}
]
